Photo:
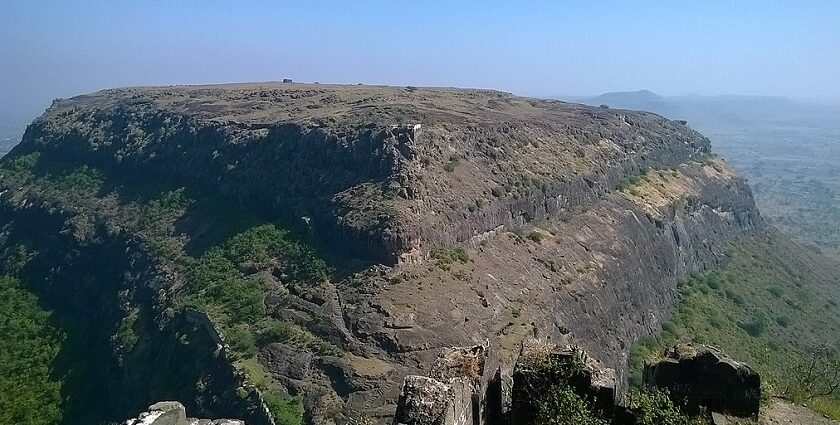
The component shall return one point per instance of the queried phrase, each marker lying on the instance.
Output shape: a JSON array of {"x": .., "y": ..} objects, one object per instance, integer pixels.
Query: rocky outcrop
[
  {"x": 699, "y": 379},
  {"x": 173, "y": 413},
  {"x": 699, "y": 376},
  {"x": 454, "y": 394}
]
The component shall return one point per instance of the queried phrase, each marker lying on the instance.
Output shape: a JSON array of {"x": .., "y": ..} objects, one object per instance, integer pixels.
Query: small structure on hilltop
[{"x": 698, "y": 376}]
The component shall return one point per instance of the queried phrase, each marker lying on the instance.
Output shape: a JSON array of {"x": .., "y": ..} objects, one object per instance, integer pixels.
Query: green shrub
[
  {"x": 221, "y": 283},
  {"x": 756, "y": 326},
  {"x": 562, "y": 406},
  {"x": 30, "y": 391},
  {"x": 536, "y": 236},
  {"x": 263, "y": 246},
  {"x": 783, "y": 321},
  {"x": 276, "y": 331},
  {"x": 83, "y": 179},
  {"x": 241, "y": 341},
  {"x": 547, "y": 389},
  {"x": 655, "y": 408},
  {"x": 169, "y": 205},
  {"x": 629, "y": 181},
  {"x": 24, "y": 162},
  {"x": 713, "y": 281},
  {"x": 286, "y": 411},
  {"x": 454, "y": 160},
  {"x": 445, "y": 258}
]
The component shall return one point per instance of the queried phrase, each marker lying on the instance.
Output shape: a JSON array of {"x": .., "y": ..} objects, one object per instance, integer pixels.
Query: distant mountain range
[{"x": 716, "y": 114}]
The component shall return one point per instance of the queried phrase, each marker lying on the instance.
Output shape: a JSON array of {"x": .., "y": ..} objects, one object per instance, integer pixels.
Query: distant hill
[
  {"x": 641, "y": 97},
  {"x": 724, "y": 113}
]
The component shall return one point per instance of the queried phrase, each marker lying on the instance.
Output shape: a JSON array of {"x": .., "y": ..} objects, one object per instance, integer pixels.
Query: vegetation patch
[
  {"x": 224, "y": 281},
  {"x": 745, "y": 311},
  {"x": 24, "y": 162},
  {"x": 446, "y": 258},
  {"x": 450, "y": 165},
  {"x": 549, "y": 386},
  {"x": 286, "y": 411},
  {"x": 628, "y": 182},
  {"x": 227, "y": 283},
  {"x": 30, "y": 393},
  {"x": 536, "y": 236}
]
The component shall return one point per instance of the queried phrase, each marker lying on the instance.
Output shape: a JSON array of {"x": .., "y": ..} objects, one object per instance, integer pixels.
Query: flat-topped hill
[
  {"x": 187, "y": 223},
  {"x": 384, "y": 168}
]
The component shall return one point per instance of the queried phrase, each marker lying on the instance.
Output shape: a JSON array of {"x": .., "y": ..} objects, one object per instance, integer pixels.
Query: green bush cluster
[
  {"x": 29, "y": 391},
  {"x": 656, "y": 408},
  {"x": 523, "y": 186},
  {"x": 563, "y": 406},
  {"x": 760, "y": 309},
  {"x": 628, "y": 182},
  {"x": 454, "y": 160},
  {"x": 286, "y": 411},
  {"x": 274, "y": 330},
  {"x": 221, "y": 281},
  {"x": 82, "y": 179},
  {"x": 169, "y": 205},
  {"x": 24, "y": 162},
  {"x": 446, "y": 258},
  {"x": 546, "y": 388},
  {"x": 536, "y": 236}
]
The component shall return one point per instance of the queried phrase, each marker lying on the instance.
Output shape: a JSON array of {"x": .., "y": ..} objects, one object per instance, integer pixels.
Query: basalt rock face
[
  {"x": 399, "y": 178},
  {"x": 355, "y": 162}
]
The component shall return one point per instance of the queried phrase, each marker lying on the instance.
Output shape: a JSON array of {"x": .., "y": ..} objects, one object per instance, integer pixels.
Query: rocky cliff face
[
  {"x": 356, "y": 161},
  {"x": 458, "y": 217}
]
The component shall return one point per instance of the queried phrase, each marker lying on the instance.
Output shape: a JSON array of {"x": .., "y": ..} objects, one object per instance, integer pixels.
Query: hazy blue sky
[{"x": 54, "y": 49}]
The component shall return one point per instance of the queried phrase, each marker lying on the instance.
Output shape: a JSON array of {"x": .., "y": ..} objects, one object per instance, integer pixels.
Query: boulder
[
  {"x": 427, "y": 401},
  {"x": 453, "y": 394},
  {"x": 174, "y": 413},
  {"x": 698, "y": 376}
]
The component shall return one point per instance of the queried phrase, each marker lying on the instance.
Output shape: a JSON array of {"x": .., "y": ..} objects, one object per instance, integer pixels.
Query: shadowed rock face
[
  {"x": 700, "y": 376},
  {"x": 528, "y": 187}
]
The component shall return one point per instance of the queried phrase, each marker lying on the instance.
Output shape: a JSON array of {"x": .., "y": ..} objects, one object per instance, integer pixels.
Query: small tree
[{"x": 815, "y": 373}]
